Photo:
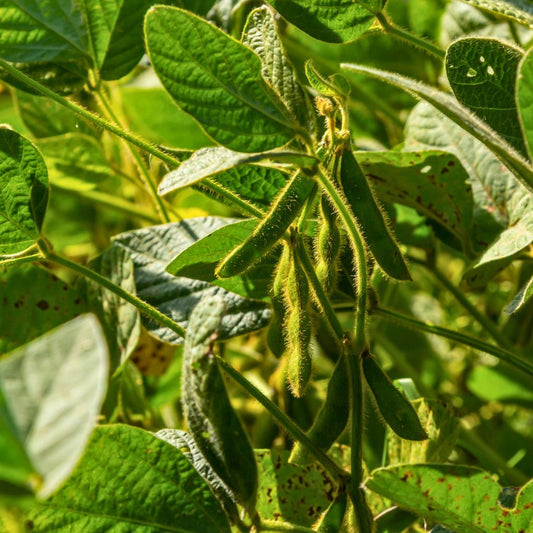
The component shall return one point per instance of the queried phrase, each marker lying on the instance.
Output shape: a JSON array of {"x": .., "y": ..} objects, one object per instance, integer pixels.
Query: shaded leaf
[
  {"x": 524, "y": 97},
  {"x": 141, "y": 483},
  {"x": 523, "y": 295},
  {"x": 519, "y": 10},
  {"x": 23, "y": 193},
  {"x": 229, "y": 98},
  {"x": 482, "y": 74},
  {"x": 53, "y": 388},
  {"x": 500, "y": 384},
  {"x": 151, "y": 250},
  {"x": 333, "y": 21}
]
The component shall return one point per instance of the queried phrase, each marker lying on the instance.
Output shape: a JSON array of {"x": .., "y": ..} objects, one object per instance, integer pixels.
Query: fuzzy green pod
[
  {"x": 211, "y": 420},
  {"x": 370, "y": 219},
  {"x": 332, "y": 520},
  {"x": 331, "y": 419},
  {"x": 270, "y": 229},
  {"x": 298, "y": 328},
  {"x": 276, "y": 332},
  {"x": 395, "y": 408},
  {"x": 327, "y": 246}
]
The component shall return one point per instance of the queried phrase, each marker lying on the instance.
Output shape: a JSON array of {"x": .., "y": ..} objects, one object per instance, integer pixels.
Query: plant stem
[
  {"x": 501, "y": 353},
  {"x": 9, "y": 262},
  {"x": 113, "y": 202},
  {"x": 293, "y": 429},
  {"x": 408, "y": 37},
  {"x": 142, "y": 306},
  {"x": 321, "y": 296},
  {"x": 272, "y": 525},
  {"x": 143, "y": 171},
  {"x": 483, "y": 321},
  {"x": 354, "y": 350}
]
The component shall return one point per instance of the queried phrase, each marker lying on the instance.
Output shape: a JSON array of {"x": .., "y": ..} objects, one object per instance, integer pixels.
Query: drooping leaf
[
  {"x": 459, "y": 497},
  {"x": 141, "y": 483},
  {"x": 482, "y": 74},
  {"x": 333, "y": 21},
  {"x": 230, "y": 99},
  {"x": 151, "y": 250},
  {"x": 261, "y": 35},
  {"x": 199, "y": 261},
  {"x": 454, "y": 110},
  {"x": 23, "y": 193},
  {"x": 523, "y": 295},
  {"x": 120, "y": 320},
  {"x": 53, "y": 388},
  {"x": 208, "y": 162},
  {"x": 524, "y": 97},
  {"x": 432, "y": 182},
  {"x": 519, "y": 10},
  {"x": 26, "y": 314}
]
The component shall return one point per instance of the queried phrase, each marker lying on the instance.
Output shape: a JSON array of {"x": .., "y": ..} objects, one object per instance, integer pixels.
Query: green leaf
[
  {"x": 326, "y": 85},
  {"x": 151, "y": 250},
  {"x": 26, "y": 314},
  {"x": 140, "y": 482},
  {"x": 54, "y": 388},
  {"x": 461, "y": 498},
  {"x": 199, "y": 261},
  {"x": 23, "y": 193},
  {"x": 115, "y": 34},
  {"x": 48, "y": 30},
  {"x": 482, "y": 74},
  {"x": 500, "y": 384},
  {"x": 523, "y": 295},
  {"x": 75, "y": 161},
  {"x": 524, "y": 97},
  {"x": 333, "y": 21},
  {"x": 208, "y": 162},
  {"x": 454, "y": 110},
  {"x": 217, "y": 80},
  {"x": 292, "y": 493},
  {"x": 432, "y": 182},
  {"x": 261, "y": 35},
  {"x": 120, "y": 320},
  {"x": 519, "y": 10}
]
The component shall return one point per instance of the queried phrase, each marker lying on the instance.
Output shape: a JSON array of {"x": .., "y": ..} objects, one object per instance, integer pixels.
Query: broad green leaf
[
  {"x": 523, "y": 295},
  {"x": 208, "y": 162},
  {"x": 461, "y": 498},
  {"x": 151, "y": 250},
  {"x": 46, "y": 118},
  {"x": 200, "y": 260},
  {"x": 292, "y": 493},
  {"x": 482, "y": 74},
  {"x": 47, "y": 30},
  {"x": 502, "y": 215},
  {"x": 75, "y": 161},
  {"x": 525, "y": 98},
  {"x": 442, "y": 428},
  {"x": 217, "y": 80},
  {"x": 519, "y": 10},
  {"x": 53, "y": 388},
  {"x": 23, "y": 193},
  {"x": 500, "y": 384},
  {"x": 140, "y": 482},
  {"x": 115, "y": 34},
  {"x": 333, "y": 21},
  {"x": 26, "y": 314},
  {"x": 261, "y": 35},
  {"x": 432, "y": 182},
  {"x": 454, "y": 110},
  {"x": 425, "y": 16},
  {"x": 120, "y": 320}
]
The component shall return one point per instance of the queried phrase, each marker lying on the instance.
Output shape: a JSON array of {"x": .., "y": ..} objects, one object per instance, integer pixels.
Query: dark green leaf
[
  {"x": 525, "y": 98},
  {"x": 333, "y": 21},
  {"x": 54, "y": 388},
  {"x": 229, "y": 98},
  {"x": 23, "y": 193},
  {"x": 140, "y": 483},
  {"x": 482, "y": 74},
  {"x": 523, "y": 295},
  {"x": 151, "y": 250}
]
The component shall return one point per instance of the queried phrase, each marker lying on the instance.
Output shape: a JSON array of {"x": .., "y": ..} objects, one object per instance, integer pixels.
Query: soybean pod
[
  {"x": 395, "y": 408},
  {"x": 211, "y": 420},
  {"x": 333, "y": 518},
  {"x": 370, "y": 218},
  {"x": 271, "y": 228}
]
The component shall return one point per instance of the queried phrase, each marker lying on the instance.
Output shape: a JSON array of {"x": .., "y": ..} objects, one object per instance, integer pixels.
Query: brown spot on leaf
[{"x": 43, "y": 305}]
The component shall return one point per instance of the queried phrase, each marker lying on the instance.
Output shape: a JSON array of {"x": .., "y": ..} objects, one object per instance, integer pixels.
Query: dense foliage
[{"x": 266, "y": 266}]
